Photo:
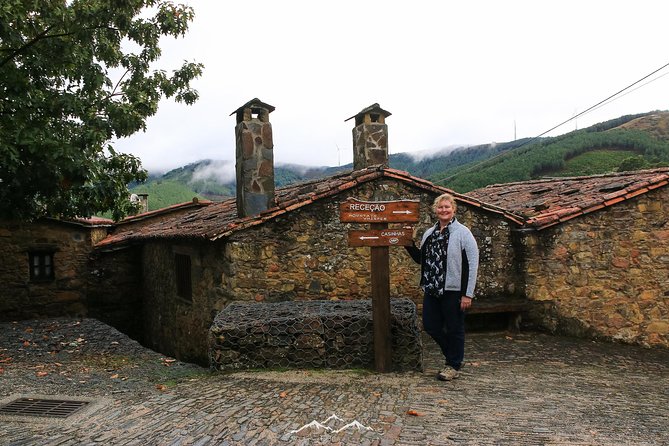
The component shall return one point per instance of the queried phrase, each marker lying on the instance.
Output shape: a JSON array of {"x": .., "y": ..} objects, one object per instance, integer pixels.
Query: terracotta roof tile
[
  {"x": 539, "y": 201},
  {"x": 533, "y": 204},
  {"x": 217, "y": 220}
]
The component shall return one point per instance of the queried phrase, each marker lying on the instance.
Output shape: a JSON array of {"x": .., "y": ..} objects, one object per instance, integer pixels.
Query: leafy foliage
[{"x": 69, "y": 86}]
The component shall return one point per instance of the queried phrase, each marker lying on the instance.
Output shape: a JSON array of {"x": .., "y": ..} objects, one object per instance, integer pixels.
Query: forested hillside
[
  {"x": 627, "y": 143},
  {"x": 213, "y": 180},
  {"x": 621, "y": 144}
]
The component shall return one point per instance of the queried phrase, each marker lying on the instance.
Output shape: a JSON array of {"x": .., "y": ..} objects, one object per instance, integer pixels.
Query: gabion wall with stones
[{"x": 311, "y": 334}]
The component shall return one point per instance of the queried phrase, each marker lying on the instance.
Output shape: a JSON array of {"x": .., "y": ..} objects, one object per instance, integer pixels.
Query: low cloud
[
  {"x": 220, "y": 171},
  {"x": 422, "y": 155}
]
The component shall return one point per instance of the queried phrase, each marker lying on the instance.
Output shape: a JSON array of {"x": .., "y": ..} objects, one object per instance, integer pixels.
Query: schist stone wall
[
  {"x": 606, "y": 274},
  {"x": 62, "y": 290},
  {"x": 302, "y": 255},
  {"x": 311, "y": 334},
  {"x": 115, "y": 281}
]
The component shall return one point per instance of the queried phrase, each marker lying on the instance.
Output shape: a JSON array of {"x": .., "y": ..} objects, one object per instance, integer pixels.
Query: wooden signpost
[
  {"x": 381, "y": 237},
  {"x": 378, "y": 214}
]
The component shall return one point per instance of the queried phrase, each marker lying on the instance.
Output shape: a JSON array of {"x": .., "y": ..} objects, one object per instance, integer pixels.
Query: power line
[
  {"x": 588, "y": 110},
  {"x": 632, "y": 91}
]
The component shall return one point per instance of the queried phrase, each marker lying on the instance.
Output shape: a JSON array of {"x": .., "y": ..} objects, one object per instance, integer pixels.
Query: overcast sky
[{"x": 451, "y": 73}]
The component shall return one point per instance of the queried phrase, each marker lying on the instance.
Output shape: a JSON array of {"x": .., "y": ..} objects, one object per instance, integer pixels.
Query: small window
[
  {"x": 41, "y": 266},
  {"x": 183, "y": 276}
]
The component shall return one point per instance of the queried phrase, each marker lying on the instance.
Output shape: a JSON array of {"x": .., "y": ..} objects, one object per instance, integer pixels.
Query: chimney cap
[
  {"x": 255, "y": 103},
  {"x": 374, "y": 108}
]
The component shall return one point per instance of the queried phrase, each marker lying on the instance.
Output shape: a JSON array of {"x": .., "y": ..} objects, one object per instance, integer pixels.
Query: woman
[{"x": 449, "y": 259}]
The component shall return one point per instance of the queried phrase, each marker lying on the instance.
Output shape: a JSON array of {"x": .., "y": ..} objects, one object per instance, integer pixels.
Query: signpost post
[{"x": 378, "y": 214}]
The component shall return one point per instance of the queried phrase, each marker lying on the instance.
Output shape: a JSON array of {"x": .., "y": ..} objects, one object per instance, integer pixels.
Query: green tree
[{"x": 74, "y": 75}]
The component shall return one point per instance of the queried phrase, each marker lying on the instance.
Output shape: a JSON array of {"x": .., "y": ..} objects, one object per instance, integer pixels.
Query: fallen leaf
[
  {"x": 26, "y": 343},
  {"x": 283, "y": 395},
  {"x": 161, "y": 387},
  {"x": 475, "y": 364},
  {"x": 41, "y": 374},
  {"x": 509, "y": 338},
  {"x": 114, "y": 376},
  {"x": 29, "y": 330},
  {"x": 414, "y": 413}
]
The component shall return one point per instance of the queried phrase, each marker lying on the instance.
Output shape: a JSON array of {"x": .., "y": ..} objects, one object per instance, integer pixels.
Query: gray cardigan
[{"x": 462, "y": 261}]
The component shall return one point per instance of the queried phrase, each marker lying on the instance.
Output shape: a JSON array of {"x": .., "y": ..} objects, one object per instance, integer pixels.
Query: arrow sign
[
  {"x": 400, "y": 211},
  {"x": 381, "y": 237}
]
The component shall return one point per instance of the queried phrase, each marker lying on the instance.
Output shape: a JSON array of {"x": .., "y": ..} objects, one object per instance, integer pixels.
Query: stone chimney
[
  {"x": 370, "y": 137},
  {"x": 255, "y": 158},
  {"x": 143, "y": 203}
]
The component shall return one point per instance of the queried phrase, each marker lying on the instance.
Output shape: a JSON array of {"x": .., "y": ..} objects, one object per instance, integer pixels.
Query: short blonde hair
[{"x": 446, "y": 197}]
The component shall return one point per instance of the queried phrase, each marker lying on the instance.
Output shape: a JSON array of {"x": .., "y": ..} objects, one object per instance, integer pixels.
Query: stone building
[
  {"x": 589, "y": 253},
  {"x": 45, "y": 266},
  {"x": 291, "y": 246},
  {"x": 595, "y": 252}
]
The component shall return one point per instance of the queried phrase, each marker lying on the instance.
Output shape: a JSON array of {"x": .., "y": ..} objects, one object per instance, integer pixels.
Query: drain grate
[{"x": 35, "y": 407}]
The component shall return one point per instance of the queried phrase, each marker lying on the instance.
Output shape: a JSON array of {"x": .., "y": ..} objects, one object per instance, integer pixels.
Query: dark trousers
[{"x": 444, "y": 321}]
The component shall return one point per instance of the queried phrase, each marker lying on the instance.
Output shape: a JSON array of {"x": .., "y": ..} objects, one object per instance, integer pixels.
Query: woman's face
[{"x": 445, "y": 211}]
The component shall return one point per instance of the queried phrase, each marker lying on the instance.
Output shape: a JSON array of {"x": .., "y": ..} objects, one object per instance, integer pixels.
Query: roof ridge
[{"x": 582, "y": 177}]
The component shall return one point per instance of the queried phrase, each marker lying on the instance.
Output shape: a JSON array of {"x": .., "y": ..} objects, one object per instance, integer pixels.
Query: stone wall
[
  {"x": 305, "y": 254},
  {"x": 65, "y": 295},
  {"x": 115, "y": 284},
  {"x": 606, "y": 274},
  {"x": 301, "y": 255},
  {"x": 174, "y": 325}
]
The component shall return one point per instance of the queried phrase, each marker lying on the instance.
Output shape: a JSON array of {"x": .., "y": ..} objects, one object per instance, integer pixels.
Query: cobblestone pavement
[{"x": 520, "y": 389}]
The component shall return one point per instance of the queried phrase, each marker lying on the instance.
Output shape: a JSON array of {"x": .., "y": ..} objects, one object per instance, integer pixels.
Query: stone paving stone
[{"x": 525, "y": 389}]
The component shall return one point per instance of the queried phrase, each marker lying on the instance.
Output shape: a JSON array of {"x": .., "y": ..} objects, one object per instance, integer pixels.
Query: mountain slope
[
  {"x": 626, "y": 143},
  {"x": 621, "y": 144}
]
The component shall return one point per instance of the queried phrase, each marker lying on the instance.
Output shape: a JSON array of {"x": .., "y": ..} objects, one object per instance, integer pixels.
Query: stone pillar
[
  {"x": 255, "y": 158},
  {"x": 370, "y": 137}
]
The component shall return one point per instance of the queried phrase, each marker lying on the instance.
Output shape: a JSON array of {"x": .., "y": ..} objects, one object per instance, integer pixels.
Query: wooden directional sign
[
  {"x": 381, "y": 237},
  {"x": 400, "y": 211},
  {"x": 378, "y": 214}
]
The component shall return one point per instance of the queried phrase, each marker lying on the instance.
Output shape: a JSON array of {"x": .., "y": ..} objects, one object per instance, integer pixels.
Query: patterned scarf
[{"x": 434, "y": 272}]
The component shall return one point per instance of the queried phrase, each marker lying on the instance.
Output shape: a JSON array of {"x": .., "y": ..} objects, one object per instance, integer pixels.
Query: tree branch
[
  {"x": 43, "y": 35},
  {"x": 33, "y": 41}
]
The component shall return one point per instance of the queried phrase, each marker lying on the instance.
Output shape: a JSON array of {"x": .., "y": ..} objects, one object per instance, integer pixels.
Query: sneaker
[{"x": 448, "y": 374}]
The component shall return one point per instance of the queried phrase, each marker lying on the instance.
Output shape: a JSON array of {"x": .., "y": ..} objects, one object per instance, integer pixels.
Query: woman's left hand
[{"x": 465, "y": 303}]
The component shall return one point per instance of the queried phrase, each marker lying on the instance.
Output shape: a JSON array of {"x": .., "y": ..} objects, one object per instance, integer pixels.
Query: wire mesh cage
[{"x": 310, "y": 334}]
